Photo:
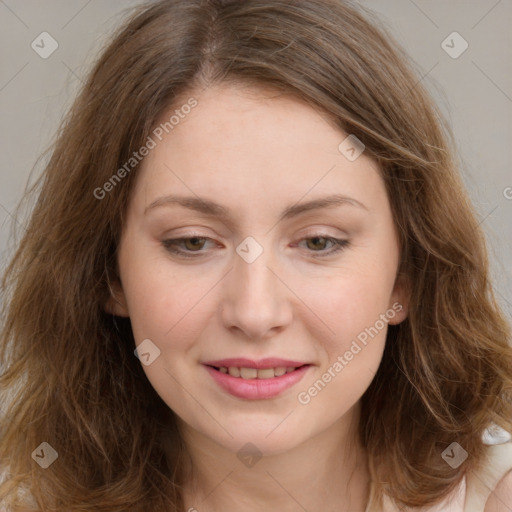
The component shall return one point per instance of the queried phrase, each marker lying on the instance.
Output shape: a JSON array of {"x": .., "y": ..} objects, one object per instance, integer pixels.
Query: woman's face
[{"x": 256, "y": 325}]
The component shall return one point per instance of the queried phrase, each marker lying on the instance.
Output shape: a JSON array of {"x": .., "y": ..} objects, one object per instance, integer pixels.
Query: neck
[{"x": 328, "y": 472}]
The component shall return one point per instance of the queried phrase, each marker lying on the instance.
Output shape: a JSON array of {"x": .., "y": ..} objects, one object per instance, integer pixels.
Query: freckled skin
[{"x": 256, "y": 156}]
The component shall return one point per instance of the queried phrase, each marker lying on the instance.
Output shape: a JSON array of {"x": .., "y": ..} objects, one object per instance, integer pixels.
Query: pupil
[
  {"x": 194, "y": 242},
  {"x": 315, "y": 240}
]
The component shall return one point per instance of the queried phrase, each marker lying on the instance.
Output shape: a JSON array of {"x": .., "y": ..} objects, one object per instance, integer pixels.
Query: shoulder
[
  {"x": 500, "y": 500},
  {"x": 489, "y": 487},
  {"x": 500, "y": 444}
]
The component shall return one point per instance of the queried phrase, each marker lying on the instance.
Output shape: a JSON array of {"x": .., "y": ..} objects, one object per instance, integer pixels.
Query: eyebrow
[{"x": 213, "y": 209}]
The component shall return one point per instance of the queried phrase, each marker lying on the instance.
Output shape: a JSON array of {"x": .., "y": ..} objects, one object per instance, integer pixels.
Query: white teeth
[
  {"x": 248, "y": 373},
  {"x": 254, "y": 373},
  {"x": 234, "y": 371},
  {"x": 266, "y": 373}
]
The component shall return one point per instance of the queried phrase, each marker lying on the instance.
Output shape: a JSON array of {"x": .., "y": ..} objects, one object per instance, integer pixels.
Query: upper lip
[{"x": 242, "y": 362}]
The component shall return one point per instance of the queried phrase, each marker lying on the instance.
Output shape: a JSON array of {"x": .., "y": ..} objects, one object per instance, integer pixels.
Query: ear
[
  {"x": 116, "y": 303},
  {"x": 399, "y": 300}
]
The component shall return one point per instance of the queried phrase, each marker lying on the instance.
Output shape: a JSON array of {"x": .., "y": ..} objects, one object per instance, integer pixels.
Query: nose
[{"x": 255, "y": 301}]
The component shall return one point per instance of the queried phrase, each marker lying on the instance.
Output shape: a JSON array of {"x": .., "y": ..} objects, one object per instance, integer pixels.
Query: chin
[{"x": 269, "y": 437}]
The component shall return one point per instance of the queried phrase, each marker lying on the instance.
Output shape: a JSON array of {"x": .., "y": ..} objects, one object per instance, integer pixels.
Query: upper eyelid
[{"x": 316, "y": 229}]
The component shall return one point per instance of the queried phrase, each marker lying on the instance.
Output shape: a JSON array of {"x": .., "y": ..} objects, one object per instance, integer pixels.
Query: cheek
[
  {"x": 351, "y": 301},
  {"x": 161, "y": 306},
  {"x": 170, "y": 304},
  {"x": 357, "y": 312},
  {"x": 353, "y": 345},
  {"x": 338, "y": 385}
]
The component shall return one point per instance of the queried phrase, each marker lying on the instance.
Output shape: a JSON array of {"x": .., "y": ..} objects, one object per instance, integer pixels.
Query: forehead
[{"x": 257, "y": 145}]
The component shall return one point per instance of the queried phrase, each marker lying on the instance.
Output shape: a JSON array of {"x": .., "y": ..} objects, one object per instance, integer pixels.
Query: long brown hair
[{"x": 70, "y": 377}]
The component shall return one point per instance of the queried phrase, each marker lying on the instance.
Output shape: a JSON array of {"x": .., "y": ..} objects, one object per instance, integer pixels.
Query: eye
[
  {"x": 318, "y": 243},
  {"x": 193, "y": 246}
]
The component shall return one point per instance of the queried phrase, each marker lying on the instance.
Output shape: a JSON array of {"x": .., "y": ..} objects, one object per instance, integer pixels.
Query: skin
[
  {"x": 501, "y": 499},
  {"x": 257, "y": 153}
]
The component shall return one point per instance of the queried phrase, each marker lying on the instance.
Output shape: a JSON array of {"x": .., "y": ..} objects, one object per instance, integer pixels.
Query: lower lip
[{"x": 257, "y": 389}]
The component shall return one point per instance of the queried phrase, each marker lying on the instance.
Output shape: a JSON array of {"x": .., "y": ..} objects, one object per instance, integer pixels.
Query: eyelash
[{"x": 170, "y": 246}]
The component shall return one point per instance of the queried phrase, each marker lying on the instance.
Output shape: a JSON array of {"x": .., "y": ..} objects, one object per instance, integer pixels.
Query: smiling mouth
[
  {"x": 256, "y": 380},
  {"x": 256, "y": 373}
]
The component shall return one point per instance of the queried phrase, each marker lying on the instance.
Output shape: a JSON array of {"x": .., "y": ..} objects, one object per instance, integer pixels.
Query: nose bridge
[
  {"x": 255, "y": 301},
  {"x": 255, "y": 278}
]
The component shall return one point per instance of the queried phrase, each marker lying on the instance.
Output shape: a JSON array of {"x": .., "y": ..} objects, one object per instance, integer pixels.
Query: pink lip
[
  {"x": 256, "y": 389},
  {"x": 241, "y": 362}
]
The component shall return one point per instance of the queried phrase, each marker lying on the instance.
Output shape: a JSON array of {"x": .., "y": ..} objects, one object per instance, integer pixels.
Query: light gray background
[{"x": 474, "y": 91}]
